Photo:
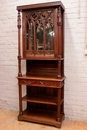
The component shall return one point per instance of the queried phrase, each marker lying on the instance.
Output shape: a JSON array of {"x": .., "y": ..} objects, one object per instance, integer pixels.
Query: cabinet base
[{"x": 42, "y": 118}]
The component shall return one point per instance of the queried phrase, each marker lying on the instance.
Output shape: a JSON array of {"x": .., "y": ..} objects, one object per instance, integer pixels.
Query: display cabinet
[{"x": 41, "y": 45}]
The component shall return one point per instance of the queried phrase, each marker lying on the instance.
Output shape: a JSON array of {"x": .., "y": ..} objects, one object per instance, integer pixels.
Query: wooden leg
[
  {"x": 58, "y": 104},
  {"x": 19, "y": 66},
  {"x": 62, "y": 106},
  {"x": 20, "y": 99},
  {"x": 59, "y": 69}
]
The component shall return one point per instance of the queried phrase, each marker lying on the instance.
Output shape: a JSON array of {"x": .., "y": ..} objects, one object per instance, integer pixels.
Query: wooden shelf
[
  {"x": 45, "y": 117},
  {"x": 41, "y": 99},
  {"x": 36, "y": 58},
  {"x": 41, "y": 78}
]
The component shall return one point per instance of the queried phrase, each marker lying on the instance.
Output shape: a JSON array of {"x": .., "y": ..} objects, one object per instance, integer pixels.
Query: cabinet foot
[{"x": 20, "y": 113}]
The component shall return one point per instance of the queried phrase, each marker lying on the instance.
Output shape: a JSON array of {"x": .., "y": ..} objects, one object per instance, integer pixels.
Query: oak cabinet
[{"x": 42, "y": 34}]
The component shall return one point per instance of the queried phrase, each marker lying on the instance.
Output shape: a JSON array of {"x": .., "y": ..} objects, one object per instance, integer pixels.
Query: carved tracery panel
[{"x": 40, "y": 32}]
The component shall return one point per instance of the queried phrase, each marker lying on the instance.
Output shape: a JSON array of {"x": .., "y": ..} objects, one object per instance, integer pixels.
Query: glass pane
[
  {"x": 49, "y": 35},
  {"x": 29, "y": 36},
  {"x": 39, "y": 35}
]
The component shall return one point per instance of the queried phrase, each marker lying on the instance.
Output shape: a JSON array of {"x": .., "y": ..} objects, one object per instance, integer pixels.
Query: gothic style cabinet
[{"x": 42, "y": 37}]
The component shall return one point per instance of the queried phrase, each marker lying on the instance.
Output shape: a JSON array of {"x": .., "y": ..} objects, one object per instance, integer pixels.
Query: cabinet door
[{"x": 39, "y": 33}]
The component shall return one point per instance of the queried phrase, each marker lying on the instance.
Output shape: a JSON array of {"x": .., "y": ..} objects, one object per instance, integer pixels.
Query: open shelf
[
  {"x": 41, "y": 99},
  {"x": 41, "y": 78},
  {"x": 45, "y": 117}
]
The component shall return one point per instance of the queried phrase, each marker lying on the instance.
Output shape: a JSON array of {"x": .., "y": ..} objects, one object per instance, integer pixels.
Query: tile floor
[{"x": 8, "y": 121}]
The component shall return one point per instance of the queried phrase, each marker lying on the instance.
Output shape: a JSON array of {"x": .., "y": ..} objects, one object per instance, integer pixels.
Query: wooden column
[
  {"x": 19, "y": 62},
  {"x": 44, "y": 23},
  {"x": 20, "y": 99},
  {"x": 58, "y": 106},
  {"x": 59, "y": 22},
  {"x": 59, "y": 69},
  {"x": 19, "y": 49},
  {"x": 62, "y": 95},
  {"x": 34, "y": 38}
]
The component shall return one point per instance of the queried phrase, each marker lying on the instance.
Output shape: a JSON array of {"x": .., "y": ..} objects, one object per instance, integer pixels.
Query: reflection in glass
[
  {"x": 49, "y": 29},
  {"x": 39, "y": 35},
  {"x": 29, "y": 36}
]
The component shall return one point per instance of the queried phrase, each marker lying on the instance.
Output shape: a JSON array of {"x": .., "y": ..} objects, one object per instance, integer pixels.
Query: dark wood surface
[
  {"x": 44, "y": 78},
  {"x": 41, "y": 99},
  {"x": 40, "y": 116},
  {"x": 41, "y": 5},
  {"x": 41, "y": 78}
]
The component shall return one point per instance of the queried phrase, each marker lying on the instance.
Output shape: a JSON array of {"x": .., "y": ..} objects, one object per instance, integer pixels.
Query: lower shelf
[{"x": 39, "y": 116}]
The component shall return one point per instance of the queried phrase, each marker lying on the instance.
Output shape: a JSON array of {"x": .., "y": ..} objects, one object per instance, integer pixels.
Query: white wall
[{"x": 75, "y": 59}]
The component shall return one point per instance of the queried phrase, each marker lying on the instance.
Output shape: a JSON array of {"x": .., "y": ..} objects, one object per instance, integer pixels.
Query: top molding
[{"x": 40, "y": 5}]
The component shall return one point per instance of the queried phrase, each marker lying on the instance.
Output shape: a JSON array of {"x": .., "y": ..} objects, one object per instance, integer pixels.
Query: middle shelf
[{"x": 41, "y": 99}]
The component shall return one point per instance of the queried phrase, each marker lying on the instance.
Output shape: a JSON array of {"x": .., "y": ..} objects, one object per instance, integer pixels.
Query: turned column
[
  {"x": 59, "y": 23},
  {"x": 19, "y": 62},
  {"x": 58, "y": 106},
  {"x": 19, "y": 49}
]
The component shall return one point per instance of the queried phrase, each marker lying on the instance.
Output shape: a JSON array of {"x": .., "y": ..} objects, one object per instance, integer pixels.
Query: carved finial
[
  {"x": 59, "y": 16},
  {"x": 19, "y": 20}
]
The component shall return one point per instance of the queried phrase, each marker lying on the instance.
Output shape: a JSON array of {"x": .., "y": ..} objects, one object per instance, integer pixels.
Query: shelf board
[
  {"x": 40, "y": 116},
  {"x": 41, "y": 78},
  {"x": 41, "y": 99},
  {"x": 44, "y": 58}
]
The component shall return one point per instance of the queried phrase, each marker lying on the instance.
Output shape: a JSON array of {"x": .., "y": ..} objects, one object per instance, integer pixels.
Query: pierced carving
[
  {"x": 49, "y": 52},
  {"x": 39, "y": 52},
  {"x": 40, "y": 16},
  {"x": 30, "y": 52},
  {"x": 40, "y": 32}
]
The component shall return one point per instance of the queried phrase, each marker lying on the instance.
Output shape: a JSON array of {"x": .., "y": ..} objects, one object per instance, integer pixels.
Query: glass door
[{"x": 39, "y": 33}]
